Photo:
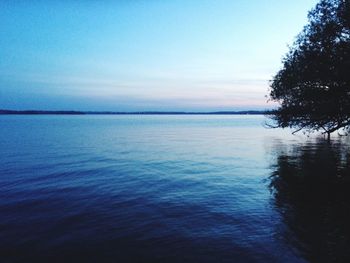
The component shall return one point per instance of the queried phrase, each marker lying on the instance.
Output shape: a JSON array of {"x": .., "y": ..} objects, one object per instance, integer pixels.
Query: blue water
[{"x": 170, "y": 189}]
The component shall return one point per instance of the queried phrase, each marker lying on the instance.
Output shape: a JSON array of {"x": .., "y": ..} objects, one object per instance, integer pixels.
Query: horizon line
[{"x": 74, "y": 112}]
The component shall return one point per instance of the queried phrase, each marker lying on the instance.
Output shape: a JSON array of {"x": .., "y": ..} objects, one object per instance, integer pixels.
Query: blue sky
[{"x": 144, "y": 55}]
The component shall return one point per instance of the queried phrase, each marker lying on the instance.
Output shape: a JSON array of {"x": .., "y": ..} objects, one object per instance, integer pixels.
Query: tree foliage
[{"x": 313, "y": 86}]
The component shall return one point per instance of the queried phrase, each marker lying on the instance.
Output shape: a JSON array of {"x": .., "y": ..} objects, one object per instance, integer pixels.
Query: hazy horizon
[{"x": 144, "y": 55}]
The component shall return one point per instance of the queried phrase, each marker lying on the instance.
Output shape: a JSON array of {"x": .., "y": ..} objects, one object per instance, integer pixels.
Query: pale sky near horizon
[{"x": 194, "y": 55}]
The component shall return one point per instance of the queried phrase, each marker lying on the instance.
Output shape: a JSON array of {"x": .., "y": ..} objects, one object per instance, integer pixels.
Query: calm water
[{"x": 170, "y": 189}]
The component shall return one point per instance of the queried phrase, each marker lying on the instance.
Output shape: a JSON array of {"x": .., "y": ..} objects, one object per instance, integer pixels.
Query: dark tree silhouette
[{"x": 313, "y": 86}]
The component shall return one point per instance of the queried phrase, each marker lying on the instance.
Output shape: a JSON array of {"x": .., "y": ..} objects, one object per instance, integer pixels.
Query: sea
[{"x": 170, "y": 188}]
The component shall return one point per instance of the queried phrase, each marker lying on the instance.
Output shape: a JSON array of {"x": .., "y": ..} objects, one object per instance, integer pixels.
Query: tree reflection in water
[{"x": 311, "y": 191}]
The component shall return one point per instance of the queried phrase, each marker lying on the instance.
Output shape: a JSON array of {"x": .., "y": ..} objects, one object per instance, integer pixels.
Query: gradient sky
[{"x": 144, "y": 55}]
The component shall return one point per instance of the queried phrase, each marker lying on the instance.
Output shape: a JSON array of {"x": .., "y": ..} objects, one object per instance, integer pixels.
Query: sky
[{"x": 141, "y": 55}]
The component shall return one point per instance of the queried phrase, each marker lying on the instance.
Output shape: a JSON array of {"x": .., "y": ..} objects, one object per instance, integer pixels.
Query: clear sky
[{"x": 144, "y": 54}]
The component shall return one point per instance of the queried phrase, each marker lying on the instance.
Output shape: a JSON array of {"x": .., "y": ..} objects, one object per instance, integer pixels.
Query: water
[{"x": 170, "y": 189}]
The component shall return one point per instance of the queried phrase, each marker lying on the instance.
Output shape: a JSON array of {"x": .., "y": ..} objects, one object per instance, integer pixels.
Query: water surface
[{"x": 170, "y": 189}]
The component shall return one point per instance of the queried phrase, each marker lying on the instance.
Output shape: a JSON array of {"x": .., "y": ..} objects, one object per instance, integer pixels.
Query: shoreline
[{"x": 71, "y": 112}]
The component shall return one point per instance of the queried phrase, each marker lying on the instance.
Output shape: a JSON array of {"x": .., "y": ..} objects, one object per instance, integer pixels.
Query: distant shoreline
[{"x": 40, "y": 112}]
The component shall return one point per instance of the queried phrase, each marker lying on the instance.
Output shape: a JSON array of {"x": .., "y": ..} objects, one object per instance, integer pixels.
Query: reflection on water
[
  {"x": 169, "y": 189},
  {"x": 311, "y": 188}
]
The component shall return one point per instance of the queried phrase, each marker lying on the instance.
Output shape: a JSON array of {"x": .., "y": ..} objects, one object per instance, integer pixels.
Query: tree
[{"x": 313, "y": 86}]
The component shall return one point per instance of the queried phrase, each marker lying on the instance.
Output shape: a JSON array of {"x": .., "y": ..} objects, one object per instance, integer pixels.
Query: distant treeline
[{"x": 40, "y": 112}]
